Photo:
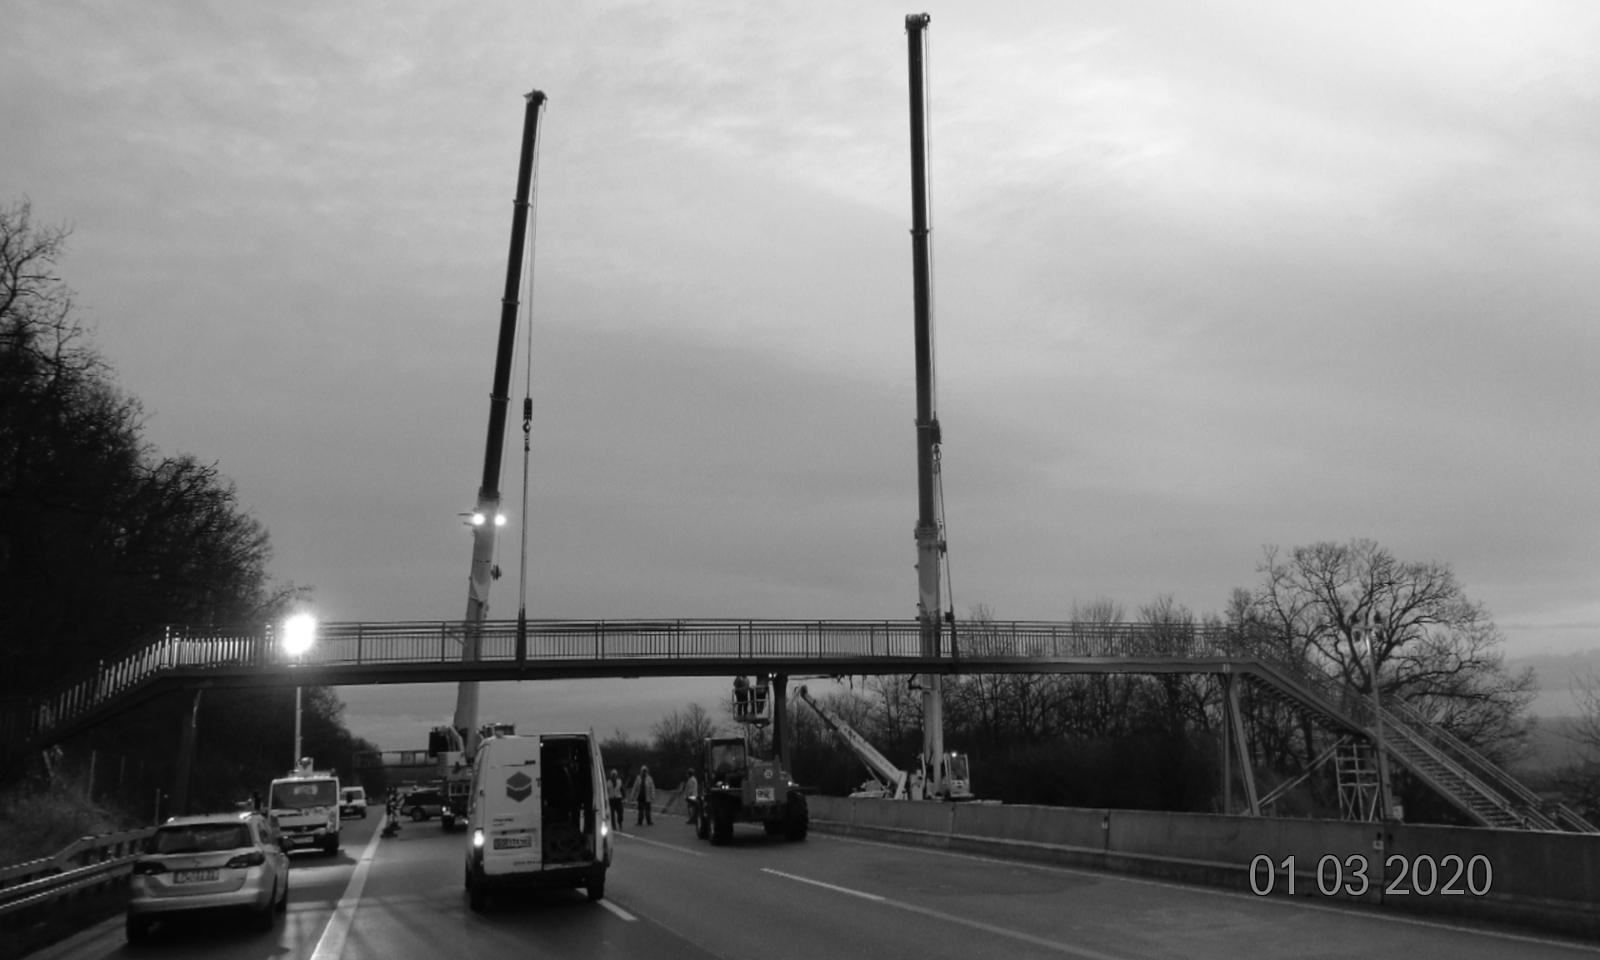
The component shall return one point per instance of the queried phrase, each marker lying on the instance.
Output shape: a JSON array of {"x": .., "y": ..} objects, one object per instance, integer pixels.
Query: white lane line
[
  {"x": 331, "y": 944},
  {"x": 619, "y": 911},
  {"x": 658, "y": 843},
  {"x": 1361, "y": 909},
  {"x": 819, "y": 883},
  {"x": 1055, "y": 945}
]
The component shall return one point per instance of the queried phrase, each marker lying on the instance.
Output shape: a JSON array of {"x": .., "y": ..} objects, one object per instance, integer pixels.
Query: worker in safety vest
[
  {"x": 614, "y": 798},
  {"x": 691, "y": 797}
]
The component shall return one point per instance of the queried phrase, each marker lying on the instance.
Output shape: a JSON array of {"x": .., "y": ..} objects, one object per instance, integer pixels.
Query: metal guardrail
[{"x": 88, "y": 862}]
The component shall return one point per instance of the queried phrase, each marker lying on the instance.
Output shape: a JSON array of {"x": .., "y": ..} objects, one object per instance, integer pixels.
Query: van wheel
[
  {"x": 137, "y": 929},
  {"x": 597, "y": 885},
  {"x": 702, "y": 825},
  {"x": 330, "y": 845},
  {"x": 477, "y": 894}
]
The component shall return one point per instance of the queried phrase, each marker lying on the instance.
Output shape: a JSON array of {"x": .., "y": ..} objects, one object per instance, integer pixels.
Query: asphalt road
[{"x": 671, "y": 896}]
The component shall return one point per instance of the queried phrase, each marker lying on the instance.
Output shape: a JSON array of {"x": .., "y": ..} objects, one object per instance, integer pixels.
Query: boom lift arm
[{"x": 891, "y": 778}]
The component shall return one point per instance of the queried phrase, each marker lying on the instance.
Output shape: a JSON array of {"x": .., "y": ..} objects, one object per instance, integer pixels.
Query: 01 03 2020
[{"x": 1421, "y": 876}]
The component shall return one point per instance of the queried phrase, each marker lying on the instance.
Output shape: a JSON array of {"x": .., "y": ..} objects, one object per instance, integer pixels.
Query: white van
[
  {"x": 305, "y": 806},
  {"x": 537, "y": 816}
]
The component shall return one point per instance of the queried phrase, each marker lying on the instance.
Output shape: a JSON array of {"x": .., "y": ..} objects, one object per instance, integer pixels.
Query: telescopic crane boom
[
  {"x": 929, "y": 532},
  {"x": 486, "y": 519},
  {"x": 891, "y": 779}
]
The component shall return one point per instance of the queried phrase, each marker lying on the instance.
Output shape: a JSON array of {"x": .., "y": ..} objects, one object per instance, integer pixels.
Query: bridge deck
[{"x": 432, "y": 652}]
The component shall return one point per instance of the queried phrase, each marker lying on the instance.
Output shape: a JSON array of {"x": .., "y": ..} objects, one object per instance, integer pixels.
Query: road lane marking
[
  {"x": 331, "y": 943},
  {"x": 1055, "y": 945},
  {"x": 619, "y": 911},
  {"x": 1353, "y": 910},
  {"x": 658, "y": 843},
  {"x": 819, "y": 883}
]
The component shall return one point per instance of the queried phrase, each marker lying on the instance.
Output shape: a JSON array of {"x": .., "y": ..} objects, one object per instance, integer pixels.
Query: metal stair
[{"x": 1463, "y": 776}]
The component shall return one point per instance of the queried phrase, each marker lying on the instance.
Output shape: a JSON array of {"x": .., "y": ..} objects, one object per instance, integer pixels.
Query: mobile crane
[
  {"x": 453, "y": 747},
  {"x": 888, "y": 781}
]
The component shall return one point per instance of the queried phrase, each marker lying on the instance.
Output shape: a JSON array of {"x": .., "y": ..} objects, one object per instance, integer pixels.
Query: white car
[{"x": 216, "y": 862}]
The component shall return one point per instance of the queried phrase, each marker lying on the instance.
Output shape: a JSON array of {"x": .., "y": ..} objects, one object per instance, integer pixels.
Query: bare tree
[
  {"x": 676, "y": 739},
  {"x": 1434, "y": 648}
]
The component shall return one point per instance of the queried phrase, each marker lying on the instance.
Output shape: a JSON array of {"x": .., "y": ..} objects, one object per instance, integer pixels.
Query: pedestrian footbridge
[{"x": 186, "y": 658}]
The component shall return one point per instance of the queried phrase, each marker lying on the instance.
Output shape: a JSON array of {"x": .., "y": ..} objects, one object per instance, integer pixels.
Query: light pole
[
  {"x": 1367, "y": 627},
  {"x": 299, "y": 633}
]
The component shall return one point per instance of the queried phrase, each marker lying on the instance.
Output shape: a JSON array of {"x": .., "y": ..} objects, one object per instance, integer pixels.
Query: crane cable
[
  {"x": 527, "y": 386},
  {"x": 933, "y": 338}
]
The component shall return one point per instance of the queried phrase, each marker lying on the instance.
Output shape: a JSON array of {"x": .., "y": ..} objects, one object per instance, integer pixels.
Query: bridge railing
[{"x": 258, "y": 645}]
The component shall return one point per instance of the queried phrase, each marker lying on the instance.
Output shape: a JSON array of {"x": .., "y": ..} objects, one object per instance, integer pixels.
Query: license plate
[
  {"x": 512, "y": 843},
  {"x": 764, "y": 794},
  {"x": 194, "y": 876}
]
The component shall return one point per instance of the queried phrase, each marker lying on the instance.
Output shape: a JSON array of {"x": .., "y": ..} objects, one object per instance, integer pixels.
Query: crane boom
[
  {"x": 891, "y": 778},
  {"x": 930, "y": 542},
  {"x": 486, "y": 518}
]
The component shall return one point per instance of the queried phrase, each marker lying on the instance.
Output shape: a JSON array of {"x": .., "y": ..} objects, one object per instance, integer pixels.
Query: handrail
[
  {"x": 1537, "y": 807},
  {"x": 429, "y": 641}
]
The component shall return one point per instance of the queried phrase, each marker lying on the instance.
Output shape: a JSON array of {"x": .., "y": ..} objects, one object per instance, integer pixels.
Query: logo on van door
[{"x": 519, "y": 786}]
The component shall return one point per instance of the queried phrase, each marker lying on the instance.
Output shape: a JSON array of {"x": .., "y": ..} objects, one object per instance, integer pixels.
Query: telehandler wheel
[
  {"x": 798, "y": 820},
  {"x": 721, "y": 824}
]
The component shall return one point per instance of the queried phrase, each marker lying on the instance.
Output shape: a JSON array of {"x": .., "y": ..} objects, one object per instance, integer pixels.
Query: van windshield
[
  {"x": 355, "y": 793},
  {"x": 304, "y": 794}
]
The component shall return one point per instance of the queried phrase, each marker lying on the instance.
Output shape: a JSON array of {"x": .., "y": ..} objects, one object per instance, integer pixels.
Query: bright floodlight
[
  {"x": 499, "y": 519},
  {"x": 477, "y": 519},
  {"x": 299, "y": 632}
]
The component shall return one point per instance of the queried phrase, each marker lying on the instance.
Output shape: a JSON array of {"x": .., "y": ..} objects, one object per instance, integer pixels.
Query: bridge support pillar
[
  {"x": 180, "y": 786},
  {"x": 1233, "y": 729},
  {"x": 780, "y": 721}
]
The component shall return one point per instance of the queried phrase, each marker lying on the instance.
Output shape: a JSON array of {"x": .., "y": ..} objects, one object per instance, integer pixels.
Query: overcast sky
[{"x": 1208, "y": 277}]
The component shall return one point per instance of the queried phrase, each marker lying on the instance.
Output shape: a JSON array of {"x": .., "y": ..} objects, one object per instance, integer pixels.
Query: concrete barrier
[{"x": 1544, "y": 880}]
